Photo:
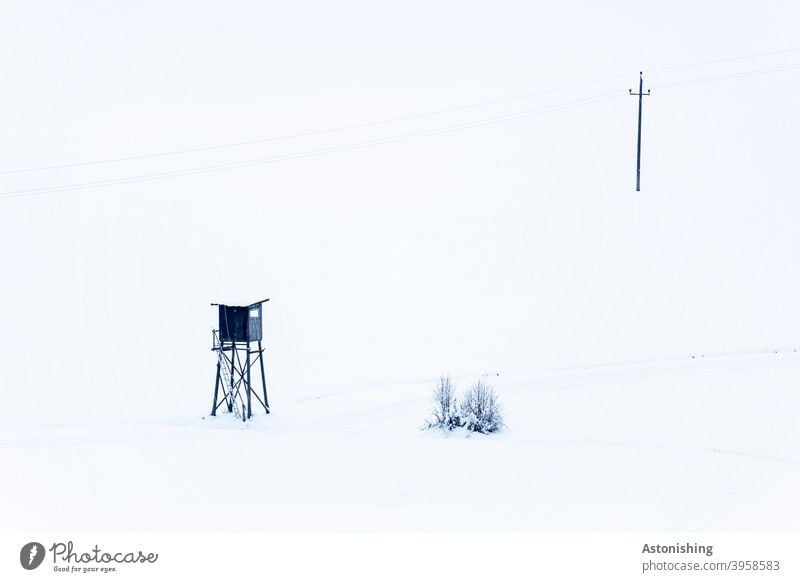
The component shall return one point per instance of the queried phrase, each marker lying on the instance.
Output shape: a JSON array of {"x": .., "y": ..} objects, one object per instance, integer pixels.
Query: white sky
[{"x": 506, "y": 247}]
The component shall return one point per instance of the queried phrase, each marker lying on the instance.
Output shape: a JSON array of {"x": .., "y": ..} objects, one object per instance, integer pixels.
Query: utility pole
[{"x": 639, "y": 140}]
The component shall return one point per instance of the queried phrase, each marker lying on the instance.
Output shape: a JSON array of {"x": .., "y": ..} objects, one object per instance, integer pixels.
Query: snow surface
[
  {"x": 519, "y": 248},
  {"x": 709, "y": 443}
]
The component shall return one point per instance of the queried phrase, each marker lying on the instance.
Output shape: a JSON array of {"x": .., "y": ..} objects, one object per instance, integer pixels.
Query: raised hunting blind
[{"x": 237, "y": 342}]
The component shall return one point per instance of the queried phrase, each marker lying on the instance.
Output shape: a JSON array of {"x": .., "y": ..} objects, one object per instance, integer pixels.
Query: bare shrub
[
  {"x": 445, "y": 413},
  {"x": 480, "y": 409}
]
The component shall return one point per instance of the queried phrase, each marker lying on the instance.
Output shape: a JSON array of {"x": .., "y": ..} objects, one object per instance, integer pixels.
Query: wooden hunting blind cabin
[{"x": 237, "y": 342}]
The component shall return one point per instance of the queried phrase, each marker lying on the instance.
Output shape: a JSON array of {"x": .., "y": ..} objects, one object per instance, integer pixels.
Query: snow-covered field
[
  {"x": 704, "y": 443},
  {"x": 419, "y": 187}
]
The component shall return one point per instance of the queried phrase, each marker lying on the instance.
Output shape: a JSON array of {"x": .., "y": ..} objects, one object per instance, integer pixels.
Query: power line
[
  {"x": 308, "y": 153},
  {"x": 377, "y": 141},
  {"x": 371, "y": 123},
  {"x": 728, "y": 76},
  {"x": 313, "y": 132},
  {"x": 725, "y": 60}
]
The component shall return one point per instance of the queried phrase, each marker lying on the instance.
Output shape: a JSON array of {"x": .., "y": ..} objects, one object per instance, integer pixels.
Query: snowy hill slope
[
  {"x": 152, "y": 162},
  {"x": 693, "y": 444}
]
